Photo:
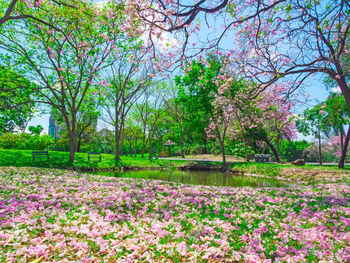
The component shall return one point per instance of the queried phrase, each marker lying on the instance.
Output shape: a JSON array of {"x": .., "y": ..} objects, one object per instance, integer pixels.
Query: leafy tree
[
  {"x": 65, "y": 63},
  {"x": 312, "y": 122},
  {"x": 337, "y": 116},
  {"x": 292, "y": 150},
  {"x": 36, "y": 130},
  {"x": 129, "y": 75},
  {"x": 262, "y": 119},
  {"x": 11, "y": 10},
  {"x": 147, "y": 113},
  {"x": 178, "y": 114},
  {"x": 196, "y": 93},
  {"x": 16, "y": 108}
]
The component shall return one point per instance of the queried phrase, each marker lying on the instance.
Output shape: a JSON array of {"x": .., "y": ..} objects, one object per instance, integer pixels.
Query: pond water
[{"x": 200, "y": 178}]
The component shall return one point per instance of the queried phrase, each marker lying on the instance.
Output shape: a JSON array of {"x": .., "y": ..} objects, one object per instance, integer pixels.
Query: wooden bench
[
  {"x": 262, "y": 158},
  {"x": 94, "y": 156},
  {"x": 164, "y": 154},
  {"x": 37, "y": 154}
]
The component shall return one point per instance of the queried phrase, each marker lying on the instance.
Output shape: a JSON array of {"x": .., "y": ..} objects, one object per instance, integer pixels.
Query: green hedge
[
  {"x": 22, "y": 158},
  {"x": 25, "y": 141}
]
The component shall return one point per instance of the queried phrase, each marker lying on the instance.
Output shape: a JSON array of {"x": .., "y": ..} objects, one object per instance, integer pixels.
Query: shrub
[
  {"x": 25, "y": 141},
  {"x": 292, "y": 150}
]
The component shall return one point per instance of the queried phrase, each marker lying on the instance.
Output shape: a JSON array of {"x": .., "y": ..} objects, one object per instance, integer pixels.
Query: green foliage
[
  {"x": 25, "y": 141},
  {"x": 15, "y": 100},
  {"x": 238, "y": 148},
  {"x": 312, "y": 122},
  {"x": 36, "y": 130},
  {"x": 196, "y": 93},
  {"x": 329, "y": 115},
  {"x": 292, "y": 150},
  {"x": 23, "y": 158},
  {"x": 100, "y": 141},
  {"x": 337, "y": 112}
]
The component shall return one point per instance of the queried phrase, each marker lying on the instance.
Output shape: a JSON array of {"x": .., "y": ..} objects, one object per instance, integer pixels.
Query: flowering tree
[
  {"x": 64, "y": 63},
  {"x": 264, "y": 118},
  {"x": 12, "y": 10},
  {"x": 291, "y": 39}
]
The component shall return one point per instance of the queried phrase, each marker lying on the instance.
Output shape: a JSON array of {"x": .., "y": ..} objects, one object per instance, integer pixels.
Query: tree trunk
[
  {"x": 143, "y": 146},
  {"x": 341, "y": 139},
  {"x": 182, "y": 144},
  {"x": 72, "y": 134},
  {"x": 72, "y": 147},
  {"x": 319, "y": 145},
  {"x": 135, "y": 150},
  {"x": 344, "y": 150},
  {"x": 150, "y": 148},
  {"x": 130, "y": 147},
  {"x": 346, "y": 93},
  {"x": 122, "y": 135},
  {"x": 205, "y": 150},
  {"x": 223, "y": 153},
  {"x": 278, "y": 144},
  {"x": 344, "y": 89},
  {"x": 274, "y": 150},
  {"x": 117, "y": 137},
  {"x": 122, "y": 144},
  {"x": 79, "y": 144}
]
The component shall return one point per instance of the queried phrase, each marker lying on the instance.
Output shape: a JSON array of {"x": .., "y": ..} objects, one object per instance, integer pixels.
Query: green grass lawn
[{"x": 21, "y": 158}]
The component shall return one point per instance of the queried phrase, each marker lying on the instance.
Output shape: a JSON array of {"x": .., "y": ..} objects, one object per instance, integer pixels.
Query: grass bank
[
  {"x": 301, "y": 174},
  {"x": 23, "y": 158}
]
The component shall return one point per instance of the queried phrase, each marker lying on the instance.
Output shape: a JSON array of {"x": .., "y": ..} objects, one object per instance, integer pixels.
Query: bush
[
  {"x": 292, "y": 150},
  {"x": 25, "y": 141},
  {"x": 238, "y": 149},
  {"x": 328, "y": 153}
]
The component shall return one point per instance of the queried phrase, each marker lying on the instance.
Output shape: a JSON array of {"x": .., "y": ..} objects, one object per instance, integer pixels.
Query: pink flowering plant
[
  {"x": 251, "y": 114},
  {"x": 59, "y": 216}
]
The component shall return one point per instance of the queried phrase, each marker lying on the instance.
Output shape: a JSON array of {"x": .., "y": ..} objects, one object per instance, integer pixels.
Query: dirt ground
[
  {"x": 213, "y": 157},
  {"x": 307, "y": 175}
]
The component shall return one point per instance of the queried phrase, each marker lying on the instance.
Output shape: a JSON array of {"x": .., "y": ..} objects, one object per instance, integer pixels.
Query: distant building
[{"x": 53, "y": 127}]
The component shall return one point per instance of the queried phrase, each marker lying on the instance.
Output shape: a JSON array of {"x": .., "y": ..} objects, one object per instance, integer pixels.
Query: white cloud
[{"x": 336, "y": 90}]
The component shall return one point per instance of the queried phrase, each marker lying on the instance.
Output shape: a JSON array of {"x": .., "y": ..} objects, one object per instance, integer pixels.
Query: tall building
[{"x": 53, "y": 127}]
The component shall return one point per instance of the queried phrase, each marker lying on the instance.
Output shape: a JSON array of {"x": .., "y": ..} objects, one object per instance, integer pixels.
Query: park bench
[
  {"x": 262, "y": 158},
  {"x": 94, "y": 156},
  {"x": 164, "y": 154},
  {"x": 39, "y": 154}
]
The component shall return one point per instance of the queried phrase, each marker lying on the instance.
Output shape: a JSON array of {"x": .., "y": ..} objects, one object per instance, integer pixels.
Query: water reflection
[{"x": 200, "y": 178}]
